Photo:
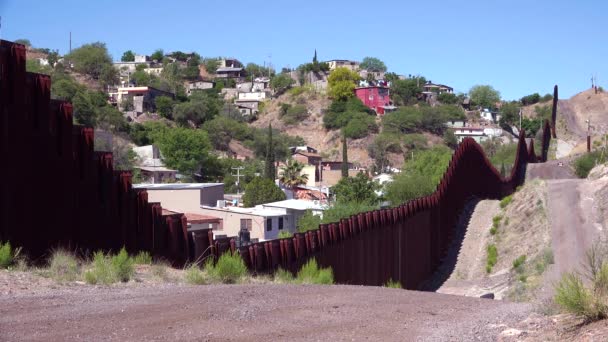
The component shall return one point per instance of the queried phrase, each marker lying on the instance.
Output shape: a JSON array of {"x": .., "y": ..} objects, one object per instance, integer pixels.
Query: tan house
[
  {"x": 184, "y": 197},
  {"x": 343, "y": 63}
]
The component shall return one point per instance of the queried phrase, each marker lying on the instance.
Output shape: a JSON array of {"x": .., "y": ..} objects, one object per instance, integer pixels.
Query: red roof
[{"x": 198, "y": 218}]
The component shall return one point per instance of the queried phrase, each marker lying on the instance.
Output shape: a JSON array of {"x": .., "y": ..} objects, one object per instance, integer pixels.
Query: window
[
  {"x": 246, "y": 224},
  {"x": 280, "y": 223},
  {"x": 268, "y": 224}
]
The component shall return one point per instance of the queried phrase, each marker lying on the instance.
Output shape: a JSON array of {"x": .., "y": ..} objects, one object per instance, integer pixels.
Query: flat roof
[
  {"x": 228, "y": 69},
  {"x": 155, "y": 168},
  {"x": 295, "y": 204},
  {"x": 176, "y": 186}
]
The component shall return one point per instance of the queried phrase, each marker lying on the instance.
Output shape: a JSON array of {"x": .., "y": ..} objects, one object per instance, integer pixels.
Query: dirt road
[{"x": 252, "y": 312}]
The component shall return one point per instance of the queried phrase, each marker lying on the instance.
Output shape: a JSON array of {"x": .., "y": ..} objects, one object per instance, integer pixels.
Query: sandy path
[
  {"x": 572, "y": 229},
  {"x": 253, "y": 313}
]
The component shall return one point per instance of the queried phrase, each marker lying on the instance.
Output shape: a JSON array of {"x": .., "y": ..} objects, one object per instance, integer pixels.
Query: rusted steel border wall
[
  {"x": 56, "y": 191},
  {"x": 405, "y": 243}
]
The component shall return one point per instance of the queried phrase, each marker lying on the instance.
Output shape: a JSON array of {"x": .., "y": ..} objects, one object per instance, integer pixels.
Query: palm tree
[{"x": 291, "y": 175}]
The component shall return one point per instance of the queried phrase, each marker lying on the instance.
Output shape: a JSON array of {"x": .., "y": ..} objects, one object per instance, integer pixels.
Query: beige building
[
  {"x": 264, "y": 222},
  {"x": 184, "y": 197},
  {"x": 343, "y": 63}
]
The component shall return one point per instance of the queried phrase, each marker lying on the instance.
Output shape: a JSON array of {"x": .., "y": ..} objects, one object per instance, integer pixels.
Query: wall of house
[
  {"x": 332, "y": 177},
  {"x": 311, "y": 172},
  {"x": 260, "y": 95},
  {"x": 211, "y": 194},
  {"x": 183, "y": 201},
  {"x": 231, "y": 222}
]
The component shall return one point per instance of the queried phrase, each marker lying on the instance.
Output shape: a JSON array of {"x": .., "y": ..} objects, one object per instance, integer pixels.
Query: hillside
[
  {"x": 328, "y": 142},
  {"x": 571, "y": 121}
]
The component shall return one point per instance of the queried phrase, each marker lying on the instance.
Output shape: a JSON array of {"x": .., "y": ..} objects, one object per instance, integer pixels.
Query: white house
[{"x": 469, "y": 132}]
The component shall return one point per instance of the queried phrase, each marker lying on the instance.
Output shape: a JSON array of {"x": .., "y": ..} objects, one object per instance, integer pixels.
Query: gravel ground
[{"x": 252, "y": 312}]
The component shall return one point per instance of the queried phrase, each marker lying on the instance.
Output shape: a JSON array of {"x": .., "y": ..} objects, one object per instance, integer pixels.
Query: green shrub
[
  {"x": 492, "y": 257},
  {"x": 572, "y": 296},
  {"x": 195, "y": 276},
  {"x": 6, "y": 254},
  {"x": 496, "y": 220},
  {"x": 310, "y": 273},
  {"x": 159, "y": 270},
  {"x": 283, "y": 276},
  {"x": 143, "y": 258},
  {"x": 493, "y": 230},
  {"x": 506, "y": 201},
  {"x": 229, "y": 268},
  {"x": 101, "y": 271},
  {"x": 545, "y": 260},
  {"x": 587, "y": 298},
  {"x": 63, "y": 266},
  {"x": 518, "y": 264},
  {"x": 584, "y": 163},
  {"x": 284, "y": 234},
  {"x": 294, "y": 114},
  {"x": 393, "y": 284},
  {"x": 122, "y": 266}
]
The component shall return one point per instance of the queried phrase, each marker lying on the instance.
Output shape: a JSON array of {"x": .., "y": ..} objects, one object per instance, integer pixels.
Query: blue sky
[{"x": 517, "y": 46}]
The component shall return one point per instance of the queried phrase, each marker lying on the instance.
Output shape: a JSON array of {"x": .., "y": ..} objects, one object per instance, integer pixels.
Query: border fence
[{"x": 56, "y": 191}]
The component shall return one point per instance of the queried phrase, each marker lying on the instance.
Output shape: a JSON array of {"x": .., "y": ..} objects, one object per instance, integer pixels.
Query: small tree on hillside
[
  {"x": 262, "y": 190},
  {"x": 344, "y": 157},
  {"x": 90, "y": 59},
  {"x": 342, "y": 83},
  {"x": 128, "y": 56},
  {"x": 484, "y": 95},
  {"x": 373, "y": 64},
  {"x": 358, "y": 189},
  {"x": 270, "y": 169}
]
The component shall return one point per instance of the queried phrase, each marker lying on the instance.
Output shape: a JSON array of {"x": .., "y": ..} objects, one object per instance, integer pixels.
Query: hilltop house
[
  {"x": 198, "y": 85},
  {"x": 343, "y": 63},
  {"x": 376, "y": 98},
  {"x": 151, "y": 166},
  {"x": 143, "y": 97}
]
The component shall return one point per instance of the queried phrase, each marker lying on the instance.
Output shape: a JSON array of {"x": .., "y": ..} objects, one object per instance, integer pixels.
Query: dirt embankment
[{"x": 521, "y": 229}]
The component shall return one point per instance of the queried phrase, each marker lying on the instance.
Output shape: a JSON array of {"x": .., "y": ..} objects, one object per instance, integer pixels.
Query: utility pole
[
  {"x": 520, "y": 120},
  {"x": 70, "y": 41},
  {"x": 588, "y": 121},
  {"x": 238, "y": 178}
]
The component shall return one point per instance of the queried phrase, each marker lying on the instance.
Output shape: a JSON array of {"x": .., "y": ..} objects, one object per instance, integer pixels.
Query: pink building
[{"x": 376, "y": 98}]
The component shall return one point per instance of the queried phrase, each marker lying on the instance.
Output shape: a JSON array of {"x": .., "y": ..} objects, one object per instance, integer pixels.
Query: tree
[
  {"x": 262, "y": 190},
  {"x": 447, "y": 98},
  {"x": 270, "y": 171},
  {"x": 141, "y": 78},
  {"x": 509, "y": 115},
  {"x": 291, "y": 174},
  {"x": 65, "y": 89},
  {"x": 372, "y": 64},
  {"x": 158, "y": 55},
  {"x": 344, "y": 157},
  {"x": 53, "y": 57},
  {"x": 419, "y": 176},
  {"x": 450, "y": 139},
  {"x": 164, "y": 106},
  {"x": 24, "y": 41},
  {"x": 128, "y": 56},
  {"x": 183, "y": 149},
  {"x": 530, "y": 99},
  {"x": 484, "y": 96},
  {"x": 280, "y": 83},
  {"x": 406, "y": 92},
  {"x": 203, "y": 106},
  {"x": 90, "y": 59},
  {"x": 211, "y": 65},
  {"x": 358, "y": 189},
  {"x": 342, "y": 82},
  {"x": 108, "y": 75}
]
